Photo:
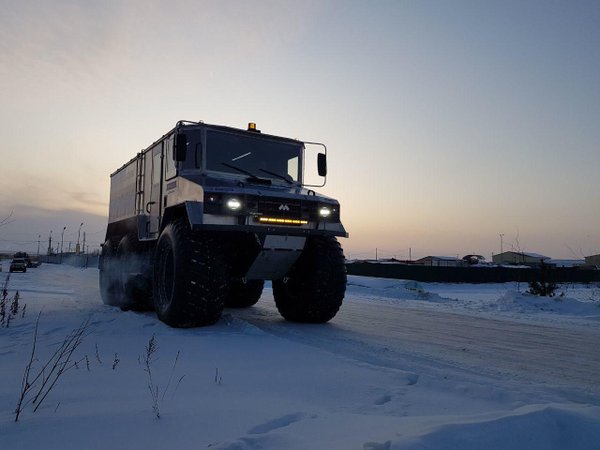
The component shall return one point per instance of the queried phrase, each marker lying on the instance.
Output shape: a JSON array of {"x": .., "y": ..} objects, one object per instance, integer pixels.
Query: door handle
[{"x": 148, "y": 206}]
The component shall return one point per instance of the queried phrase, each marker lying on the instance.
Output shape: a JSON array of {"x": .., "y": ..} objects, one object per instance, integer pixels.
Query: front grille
[{"x": 273, "y": 207}]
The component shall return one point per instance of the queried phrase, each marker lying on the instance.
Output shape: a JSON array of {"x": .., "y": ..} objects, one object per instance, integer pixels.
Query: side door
[{"x": 153, "y": 202}]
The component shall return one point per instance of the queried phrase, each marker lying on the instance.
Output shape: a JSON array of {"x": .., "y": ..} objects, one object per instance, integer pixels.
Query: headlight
[
  {"x": 324, "y": 212},
  {"x": 233, "y": 204}
]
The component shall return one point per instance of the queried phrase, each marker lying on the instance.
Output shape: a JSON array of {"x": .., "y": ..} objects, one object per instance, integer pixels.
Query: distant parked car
[
  {"x": 24, "y": 256},
  {"x": 18, "y": 265}
]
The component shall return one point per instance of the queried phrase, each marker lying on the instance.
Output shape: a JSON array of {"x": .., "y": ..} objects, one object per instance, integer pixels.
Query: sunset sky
[{"x": 447, "y": 122}]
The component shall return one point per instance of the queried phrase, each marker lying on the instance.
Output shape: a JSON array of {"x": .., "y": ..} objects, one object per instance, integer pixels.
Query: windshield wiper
[
  {"x": 251, "y": 176},
  {"x": 286, "y": 178}
]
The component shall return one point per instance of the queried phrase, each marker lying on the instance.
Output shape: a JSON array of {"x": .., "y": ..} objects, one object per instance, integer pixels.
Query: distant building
[
  {"x": 593, "y": 260},
  {"x": 524, "y": 258},
  {"x": 378, "y": 261},
  {"x": 441, "y": 261}
]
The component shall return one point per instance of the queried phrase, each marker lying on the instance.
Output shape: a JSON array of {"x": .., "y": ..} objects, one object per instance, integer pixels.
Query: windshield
[{"x": 253, "y": 156}]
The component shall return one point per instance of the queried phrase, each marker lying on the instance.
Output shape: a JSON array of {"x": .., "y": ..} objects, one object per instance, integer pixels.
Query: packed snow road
[{"x": 434, "y": 341}]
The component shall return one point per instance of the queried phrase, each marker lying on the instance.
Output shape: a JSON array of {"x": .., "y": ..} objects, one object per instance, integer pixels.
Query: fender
[{"x": 193, "y": 211}]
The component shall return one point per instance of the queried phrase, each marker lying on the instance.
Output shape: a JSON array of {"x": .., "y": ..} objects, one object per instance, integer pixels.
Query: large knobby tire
[
  {"x": 190, "y": 277},
  {"x": 134, "y": 286},
  {"x": 244, "y": 293},
  {"x": 109, "y": 275},
  {"x": 314, "y": 288}
]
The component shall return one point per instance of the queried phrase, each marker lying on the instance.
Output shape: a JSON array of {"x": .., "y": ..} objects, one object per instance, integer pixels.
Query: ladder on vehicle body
[{"x": 139, "y": 183}]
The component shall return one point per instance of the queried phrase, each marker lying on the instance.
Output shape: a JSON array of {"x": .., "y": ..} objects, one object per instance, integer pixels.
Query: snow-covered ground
[{"x": 403, "y": 365}]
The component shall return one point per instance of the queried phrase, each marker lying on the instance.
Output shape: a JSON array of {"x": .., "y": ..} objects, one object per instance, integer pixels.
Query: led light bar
[{"x": 281, "y": 221}]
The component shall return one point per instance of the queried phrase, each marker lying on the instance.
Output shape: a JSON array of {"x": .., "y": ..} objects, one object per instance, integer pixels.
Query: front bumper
[{"x": 201, "y": 220}]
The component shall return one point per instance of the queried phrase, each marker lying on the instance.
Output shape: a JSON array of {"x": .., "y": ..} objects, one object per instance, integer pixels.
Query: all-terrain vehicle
[{"x": 202, "y": 217}]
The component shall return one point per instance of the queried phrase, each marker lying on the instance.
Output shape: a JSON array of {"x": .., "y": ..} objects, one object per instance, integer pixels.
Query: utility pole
[
  {"x": 62, "y": 237},
  {"x": 501, "y": 243},
  {"x": 39, "y": 238},
  {"x": 375, "y": 253},
  {"x": 83, "y": 248},
  {"x": 77, "y": 248},
  {"x": 50, "y": 243}
]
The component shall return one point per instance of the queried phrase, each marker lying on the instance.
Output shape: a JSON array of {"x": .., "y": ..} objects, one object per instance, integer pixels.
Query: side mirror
[
  {"x": 322, "y": 164},
  {"x": 180, "y": 147}
]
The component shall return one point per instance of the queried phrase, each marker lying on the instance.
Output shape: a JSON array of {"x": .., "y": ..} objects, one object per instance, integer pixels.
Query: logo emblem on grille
[{"x": 284, "y": 207}]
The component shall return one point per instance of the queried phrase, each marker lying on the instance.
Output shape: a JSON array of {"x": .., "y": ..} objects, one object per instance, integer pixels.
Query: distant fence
[
  {"x": 471, "y": 274},
  {"x": 415, "y": 272},
  {"x": 71, "y": 260}
]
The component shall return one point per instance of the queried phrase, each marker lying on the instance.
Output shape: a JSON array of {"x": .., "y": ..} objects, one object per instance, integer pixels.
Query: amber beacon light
[{"x": 252, "y": 127}]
